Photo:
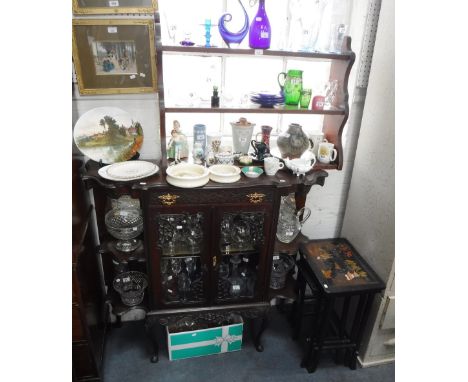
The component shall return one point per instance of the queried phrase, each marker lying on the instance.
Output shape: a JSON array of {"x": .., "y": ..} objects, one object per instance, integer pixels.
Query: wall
[
  {"x": 328, "y": 203},
  {"x": 369, "y": 221}
]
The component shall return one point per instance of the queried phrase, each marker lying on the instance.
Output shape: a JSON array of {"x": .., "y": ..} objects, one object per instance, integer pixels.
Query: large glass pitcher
[
  {"x": 290, "y": 221},
  {"x": 291, "y": 86}
]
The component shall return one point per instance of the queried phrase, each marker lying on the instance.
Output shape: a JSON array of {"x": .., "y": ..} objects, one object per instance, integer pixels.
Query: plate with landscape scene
[{"x": 108, "y": 134}]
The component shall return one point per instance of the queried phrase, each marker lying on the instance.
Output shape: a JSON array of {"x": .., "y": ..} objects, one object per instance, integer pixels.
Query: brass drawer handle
[
  {"x": 256, "y": 197},
  {"x": 168, "y": 199}
]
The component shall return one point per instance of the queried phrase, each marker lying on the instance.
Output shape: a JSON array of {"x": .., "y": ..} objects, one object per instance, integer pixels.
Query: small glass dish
[{"x": 252, "y": 171}]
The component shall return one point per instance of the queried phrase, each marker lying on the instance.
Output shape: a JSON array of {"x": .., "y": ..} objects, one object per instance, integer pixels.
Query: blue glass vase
[
  {"x": 233, "y": 37},
  {"x": 260, "y": 30}
]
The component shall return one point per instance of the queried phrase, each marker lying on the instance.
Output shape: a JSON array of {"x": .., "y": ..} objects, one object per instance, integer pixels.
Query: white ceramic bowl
[
  {"x": 223, "y": 173},
  {"x": 187, "y": 175},
  {"x": 300, "y": 166}
]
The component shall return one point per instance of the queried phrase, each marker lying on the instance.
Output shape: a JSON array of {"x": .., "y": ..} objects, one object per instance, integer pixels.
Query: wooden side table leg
[
  {"x": 151, "y": 328},
  {"x": 257, "y": 336},
  {"x": 340, "y": 354},
  {"x": 360, "y": 331},
  {"x": 298, "y": 307},
  {"x": 314, "y": 358},
  {"x": 350, "y": 358},
  {"x": 311, "y": 339},
  {"x": 118, "y": 320}
]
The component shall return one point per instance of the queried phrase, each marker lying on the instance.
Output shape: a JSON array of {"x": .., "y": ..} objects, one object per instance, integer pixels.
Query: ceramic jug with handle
[{"x": 261, "y": 149}]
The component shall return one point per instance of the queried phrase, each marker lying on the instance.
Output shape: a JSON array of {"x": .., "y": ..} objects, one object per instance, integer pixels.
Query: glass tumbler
[{"x": 306, "y": 95}]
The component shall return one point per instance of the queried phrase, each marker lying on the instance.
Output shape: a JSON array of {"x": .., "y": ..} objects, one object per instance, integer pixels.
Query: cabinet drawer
[
  {"x": 78, "y": 332},
  {"x": 248, "y": 196},
  {"x": 84, "y": 365}
]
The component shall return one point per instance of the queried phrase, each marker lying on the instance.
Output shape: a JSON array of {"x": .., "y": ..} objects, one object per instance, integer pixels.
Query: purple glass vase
[
  {"x": 260, "y": 31},
  {"x": 233, "y": 37}
]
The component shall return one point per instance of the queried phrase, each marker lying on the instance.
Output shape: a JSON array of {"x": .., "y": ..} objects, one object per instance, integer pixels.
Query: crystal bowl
[
  {"x": 125, "y": 224},
  {"x": 131, "y": 287},
  {"x": 281, "y": 266}
]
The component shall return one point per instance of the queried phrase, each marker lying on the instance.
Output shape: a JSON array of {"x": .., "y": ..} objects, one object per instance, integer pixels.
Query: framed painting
[
  {"x": 113, "y": 7},
  {"x": 114, "y": 56}
]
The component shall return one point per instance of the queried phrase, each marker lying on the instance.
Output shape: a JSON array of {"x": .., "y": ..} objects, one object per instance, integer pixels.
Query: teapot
[
  {"x": 290, "y": 222},
  {"x": 261, "y": 149}
]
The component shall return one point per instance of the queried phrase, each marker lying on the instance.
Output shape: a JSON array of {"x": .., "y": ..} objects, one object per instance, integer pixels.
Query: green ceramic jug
[{"x": 291, "y": 86}]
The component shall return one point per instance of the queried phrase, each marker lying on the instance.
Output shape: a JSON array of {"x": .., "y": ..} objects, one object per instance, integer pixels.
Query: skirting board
[{"x": 375, "y": 362}]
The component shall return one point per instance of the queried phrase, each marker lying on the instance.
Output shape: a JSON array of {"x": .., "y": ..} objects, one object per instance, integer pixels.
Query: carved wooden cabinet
[
  {"x": 216, "y": 234},
  {"x": 207, "y": 251}
]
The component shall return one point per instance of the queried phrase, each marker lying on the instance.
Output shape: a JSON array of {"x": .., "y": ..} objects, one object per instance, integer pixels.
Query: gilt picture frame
[
  {"x": 114, "y": 56},
  {"x": 114, "y": 7}
]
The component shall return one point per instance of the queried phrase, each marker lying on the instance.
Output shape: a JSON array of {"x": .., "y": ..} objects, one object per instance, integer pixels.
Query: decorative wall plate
[{"x": 108, "y": 134}]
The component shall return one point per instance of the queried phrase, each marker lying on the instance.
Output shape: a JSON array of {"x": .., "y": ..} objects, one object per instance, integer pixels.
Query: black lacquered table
[{"x": 343, "y": 288}]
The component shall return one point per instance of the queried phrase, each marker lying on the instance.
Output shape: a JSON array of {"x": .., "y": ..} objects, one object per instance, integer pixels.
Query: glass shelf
[{"x": 180, "y": 256}]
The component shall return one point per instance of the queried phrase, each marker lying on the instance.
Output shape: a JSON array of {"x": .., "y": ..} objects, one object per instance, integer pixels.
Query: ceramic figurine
[{"x": 177, "y": 148}]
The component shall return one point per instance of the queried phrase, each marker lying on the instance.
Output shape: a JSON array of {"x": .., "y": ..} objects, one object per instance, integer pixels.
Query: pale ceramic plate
[
  {"x": 130, "y": 169},
  {"x": 103, "y": 173}
]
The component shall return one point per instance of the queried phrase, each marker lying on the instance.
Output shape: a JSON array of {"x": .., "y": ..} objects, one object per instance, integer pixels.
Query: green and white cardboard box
[{"x": 202, "y": 342}]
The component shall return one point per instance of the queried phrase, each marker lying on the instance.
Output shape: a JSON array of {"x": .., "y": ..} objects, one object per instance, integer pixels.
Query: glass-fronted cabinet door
[
  {"x": 240, "y": 253},
  {"x": 179, "y": 253}
]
